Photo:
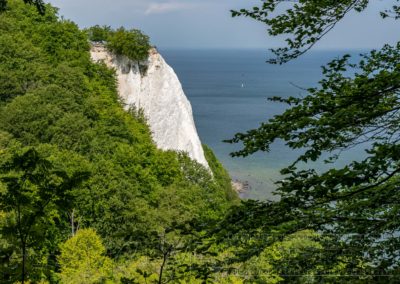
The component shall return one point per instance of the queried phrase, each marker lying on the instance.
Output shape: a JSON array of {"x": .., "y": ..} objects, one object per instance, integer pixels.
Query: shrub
[
  {"x": 131, "y": 43},
  {"x": 82, "y": 259},
  {"x": 98, "y": 33}
]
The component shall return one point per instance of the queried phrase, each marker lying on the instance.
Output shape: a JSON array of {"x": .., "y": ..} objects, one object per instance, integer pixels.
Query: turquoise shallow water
[{"x": 228, "y": 90}]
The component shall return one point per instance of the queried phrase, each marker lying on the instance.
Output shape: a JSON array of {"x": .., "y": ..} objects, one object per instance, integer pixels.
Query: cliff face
[{"x": 160, "y": 95}]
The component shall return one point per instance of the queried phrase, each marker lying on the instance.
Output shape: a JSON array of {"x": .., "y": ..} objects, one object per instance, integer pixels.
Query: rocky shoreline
[{"x": 241, "y": 187}]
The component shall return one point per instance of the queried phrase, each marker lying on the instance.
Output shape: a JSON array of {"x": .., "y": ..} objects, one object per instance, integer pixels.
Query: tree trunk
[
  {"x": 72, "y": 223},
  {"x": 23, "y": 261},
  {"x": 165, "y": 256}
]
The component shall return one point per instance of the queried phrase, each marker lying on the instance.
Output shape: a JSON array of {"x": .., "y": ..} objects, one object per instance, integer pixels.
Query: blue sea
[{"x": 228, "y": 90}]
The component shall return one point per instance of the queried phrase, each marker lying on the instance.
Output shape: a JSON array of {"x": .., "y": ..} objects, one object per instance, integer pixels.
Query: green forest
[{"x": 86, "y": 197}]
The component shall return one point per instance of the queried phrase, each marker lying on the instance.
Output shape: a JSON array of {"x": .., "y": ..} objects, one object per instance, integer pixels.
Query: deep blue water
[{"x": 222, "y": 106}]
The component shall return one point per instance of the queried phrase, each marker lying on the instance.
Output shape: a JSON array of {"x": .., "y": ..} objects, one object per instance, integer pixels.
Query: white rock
[{"x": 159, "y": 93}]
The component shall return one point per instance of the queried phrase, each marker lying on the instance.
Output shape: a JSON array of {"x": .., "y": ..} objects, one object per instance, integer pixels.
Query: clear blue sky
[{"x": 207, "y": 23}]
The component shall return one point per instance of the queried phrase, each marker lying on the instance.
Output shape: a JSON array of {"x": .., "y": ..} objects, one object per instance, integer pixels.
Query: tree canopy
[
  {"x": 355, "y": 104},
  {"x": 83, "y": 189},
  {"x": 98, "y": 33},
  {"x": 71, "y": 158},
  {"x": 39, "y": 4},
  {"x": 131, "y": 43},
  {"x": 82, "y": 259}
]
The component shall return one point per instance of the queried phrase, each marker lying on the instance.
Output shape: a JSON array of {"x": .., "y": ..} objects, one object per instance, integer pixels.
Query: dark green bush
[
  {"x": 131, "y": 43},
  {"x": 99, "y": 33}
]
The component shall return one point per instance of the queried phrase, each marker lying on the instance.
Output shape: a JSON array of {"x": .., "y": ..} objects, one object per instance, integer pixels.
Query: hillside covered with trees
[{"x": 73, "y": 161}]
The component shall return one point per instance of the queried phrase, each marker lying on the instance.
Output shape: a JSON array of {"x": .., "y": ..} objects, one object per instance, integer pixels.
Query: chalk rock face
[{"x": 158, "y": 92}]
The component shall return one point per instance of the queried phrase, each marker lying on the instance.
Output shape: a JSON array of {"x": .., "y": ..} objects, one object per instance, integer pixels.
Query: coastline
[{"x": 242, "y": 188}]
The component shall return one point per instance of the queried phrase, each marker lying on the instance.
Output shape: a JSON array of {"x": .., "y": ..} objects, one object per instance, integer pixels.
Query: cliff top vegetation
[{"x": 133, "y": 43}]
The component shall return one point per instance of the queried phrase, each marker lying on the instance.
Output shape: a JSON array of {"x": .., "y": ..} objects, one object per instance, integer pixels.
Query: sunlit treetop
[{"x": 39, "y": 4}]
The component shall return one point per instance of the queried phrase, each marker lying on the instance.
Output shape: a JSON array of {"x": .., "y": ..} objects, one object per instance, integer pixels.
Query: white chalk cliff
[{"x": 159, "y": 94}]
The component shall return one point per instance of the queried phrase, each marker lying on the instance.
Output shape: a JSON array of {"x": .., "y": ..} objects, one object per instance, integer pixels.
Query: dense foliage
[
  {"x": 72, "y": 158},
  {"x": 355, "y": 104},
  {"x": 98, "y": 33},
  {"x": 86, "y": 197},
  {"x": 39, "y": 4},
  {"x": 131, "y": 43},
  {"x": 82, "y": 259}
]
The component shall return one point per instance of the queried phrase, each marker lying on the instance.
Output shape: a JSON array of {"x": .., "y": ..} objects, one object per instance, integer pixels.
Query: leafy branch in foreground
[
  {"x": 304, "y": 22},
  {"x": 34, "y": 195},
  {"x": 345, "y": 111},
  {"x": 355, "y": 105}
]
